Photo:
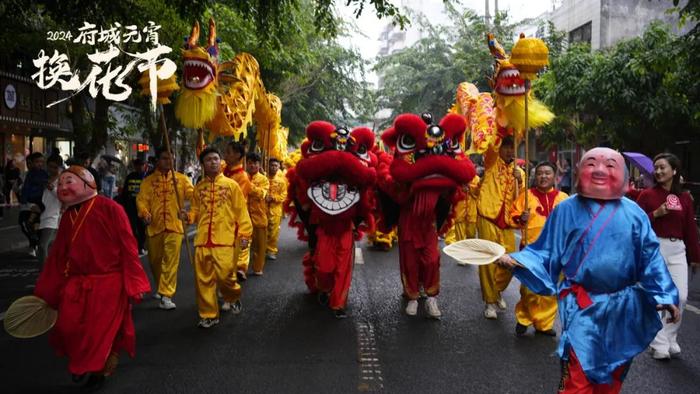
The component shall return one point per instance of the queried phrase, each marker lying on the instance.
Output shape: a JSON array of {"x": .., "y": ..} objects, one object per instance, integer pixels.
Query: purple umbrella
[{"x": 640, "y": 161}]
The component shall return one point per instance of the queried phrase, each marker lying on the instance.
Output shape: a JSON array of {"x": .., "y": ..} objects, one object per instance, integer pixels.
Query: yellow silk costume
[
  {"x": 534, "y": 309},
  {"x": 278, "y": 193},
  {"x": 156, "y": 202},
  {"x": 257, "y": 208},
  {"x": 464, "y": 226},
  {"x": 219, "y": 210},
  {"x": 496, "y": 195}
]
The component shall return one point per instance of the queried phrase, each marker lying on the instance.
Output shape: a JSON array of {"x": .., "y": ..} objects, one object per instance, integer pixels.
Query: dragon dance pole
[
  {"x": 527, "y": 158},
  {"x": 172, "y": 170}
]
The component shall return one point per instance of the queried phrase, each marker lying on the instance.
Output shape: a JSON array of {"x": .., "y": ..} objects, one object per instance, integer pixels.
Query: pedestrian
[
  {"x": 502, "y": 182},
  {"x": 275, "y": 199},
  {"x": 51, "y": 208},
  {"x": 127, "y": 198},
  {"x": 257, "y": 209},
  {"x": 91, "y": 277},
  {"x": 109, "y": 180},
  {"x": 35, "y": 182},
  {"x": 159, "y": 204},
  {"x": 84, "y": 159},
  {"x": 234, "y": 154},
  {"x": 672, "y": 217},
  {"x": 533, "y": 309},
  {"x": 598, "y": 254},
  {"x": 219, "y": 211}
]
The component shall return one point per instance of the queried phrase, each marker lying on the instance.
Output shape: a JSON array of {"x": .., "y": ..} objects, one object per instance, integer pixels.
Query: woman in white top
[{"x": 51, "y": 208}]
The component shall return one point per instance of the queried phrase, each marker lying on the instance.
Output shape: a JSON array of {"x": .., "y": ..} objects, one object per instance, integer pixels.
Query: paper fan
[
  {"x": 474, "y": 251},
  {"x": 28, "y": 317}
]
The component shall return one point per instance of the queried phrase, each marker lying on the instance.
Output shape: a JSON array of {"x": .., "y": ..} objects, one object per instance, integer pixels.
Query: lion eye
[
  {"x": 317, "y": 146},
  {"x": 406, "y": 143}
]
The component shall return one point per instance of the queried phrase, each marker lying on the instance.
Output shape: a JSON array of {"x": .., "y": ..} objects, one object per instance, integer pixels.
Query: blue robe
[{"x": 615, "y": 258}]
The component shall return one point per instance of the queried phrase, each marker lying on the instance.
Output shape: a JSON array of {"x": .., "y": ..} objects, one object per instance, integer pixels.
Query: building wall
[{"x": 576, "y": 13}]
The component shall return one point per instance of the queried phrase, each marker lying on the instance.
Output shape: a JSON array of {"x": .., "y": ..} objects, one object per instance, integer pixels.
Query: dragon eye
[
  {"x": 406, "y": 143},
  {"x": 317, "y": 146}
]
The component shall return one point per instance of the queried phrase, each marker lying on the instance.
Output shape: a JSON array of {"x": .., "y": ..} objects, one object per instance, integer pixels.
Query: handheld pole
[{"x": 172, "y": 171}]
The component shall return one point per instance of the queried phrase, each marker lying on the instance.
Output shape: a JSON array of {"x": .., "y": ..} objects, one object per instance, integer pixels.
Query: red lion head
[
  {"x": 333, "y": 179},
  {"x": 429, "y": 155}
]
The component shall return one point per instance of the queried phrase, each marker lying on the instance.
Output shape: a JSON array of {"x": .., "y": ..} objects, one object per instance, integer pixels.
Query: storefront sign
[{"x": 10, "y": 96}]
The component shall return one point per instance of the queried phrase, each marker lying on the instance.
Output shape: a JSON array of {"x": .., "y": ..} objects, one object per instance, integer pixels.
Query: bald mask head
[{"x": 602, "y": 175}]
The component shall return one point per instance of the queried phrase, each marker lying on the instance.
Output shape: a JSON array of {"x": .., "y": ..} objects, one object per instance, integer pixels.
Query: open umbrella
[{"x": 640, "y": 161}]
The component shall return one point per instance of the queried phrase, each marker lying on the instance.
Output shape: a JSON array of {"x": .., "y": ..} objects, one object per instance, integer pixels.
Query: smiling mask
[{"x": 602, "y": 175}]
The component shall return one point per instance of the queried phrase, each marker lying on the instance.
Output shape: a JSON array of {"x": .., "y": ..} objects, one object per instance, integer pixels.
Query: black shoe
[
  {"x": 340, "y": 314},
  {"x": 322, "y": 298},
  {"x": 94, "y": 383},
  {"x": 549, "y": 333},
  {"x": 520, "y": 329},
  {"x": 241, "y": 276}
]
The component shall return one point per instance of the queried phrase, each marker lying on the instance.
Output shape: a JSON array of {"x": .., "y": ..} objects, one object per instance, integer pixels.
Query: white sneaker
[
  {"x": 502, "y": 304},
  {"x": 412, "y": 308},
  {"x": 226, "y": 306},
  {"x": 236, "y": 307},
  {"x": 432, "y": 308},
  {"x": 674, "y": 349},
  {"x": 157, "y": 296},
  {"x": 166, "y": 303},
  {"x": 490, "y": 311},
  {"x": 207, "y": 323},
  {"x": 271, "y": 256},
  {"x": 659, "y": 355}
]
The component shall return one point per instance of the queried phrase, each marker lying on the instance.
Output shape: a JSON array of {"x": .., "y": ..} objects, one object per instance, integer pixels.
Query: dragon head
[
  {"x": 201, "y": 63},
  {"x": 428, "y": 155}
]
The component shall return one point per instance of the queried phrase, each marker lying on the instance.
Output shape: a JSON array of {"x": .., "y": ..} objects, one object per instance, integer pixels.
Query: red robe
[{"x": 90, "y": 276}]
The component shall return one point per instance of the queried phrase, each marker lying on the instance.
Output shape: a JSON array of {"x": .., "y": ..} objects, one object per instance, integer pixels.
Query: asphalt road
[{"x": 284, "y": 342}]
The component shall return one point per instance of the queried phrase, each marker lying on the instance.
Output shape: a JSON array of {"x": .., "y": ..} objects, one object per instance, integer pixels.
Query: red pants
[
  {"x": 419, "y": 266},
  {"x": 574, "y": 381},
  {"x": 332, "y": 260}
]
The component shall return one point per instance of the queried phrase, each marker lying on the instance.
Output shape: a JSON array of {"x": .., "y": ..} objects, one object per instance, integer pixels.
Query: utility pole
[{"x": 487, "y": 16}]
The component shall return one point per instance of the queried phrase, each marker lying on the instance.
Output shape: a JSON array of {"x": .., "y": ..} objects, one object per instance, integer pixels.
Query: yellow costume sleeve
[
  {"x": 278, "y": 188},
  {"x": 143, "y": 199},
  {"x": 259, "y": 187},
  {"x": 240, "y": 209},
  {"x": 195, "y": 204}
]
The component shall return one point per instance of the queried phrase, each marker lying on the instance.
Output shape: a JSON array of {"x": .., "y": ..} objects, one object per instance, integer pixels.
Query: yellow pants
[
  {"x": 494, "y": 279},
  {"x": 460, "y": 231},
  {"x": 535, "y": 309},
  {"x": 258, "y": 247},
  {"x": 273, "y": 233},
  {"x": 213, "y": 268},
  {"x": 164, "y": 256},
  {"x": 243, "y": 257}
]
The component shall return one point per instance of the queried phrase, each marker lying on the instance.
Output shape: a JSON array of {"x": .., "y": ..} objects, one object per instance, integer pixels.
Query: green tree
[{"x": 424, "y": 77}]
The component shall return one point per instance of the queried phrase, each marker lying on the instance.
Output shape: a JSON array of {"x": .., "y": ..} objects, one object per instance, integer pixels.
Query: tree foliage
[
  {"x": 637, "y": 95},
  {"x": 424, "y": 77}
]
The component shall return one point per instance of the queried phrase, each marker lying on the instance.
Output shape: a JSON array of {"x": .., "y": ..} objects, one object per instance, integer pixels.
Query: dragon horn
[
  {"x": 495, "y": 47},
  {"x": 194, "y": 35},
  {"x": 212, "y": 32}
]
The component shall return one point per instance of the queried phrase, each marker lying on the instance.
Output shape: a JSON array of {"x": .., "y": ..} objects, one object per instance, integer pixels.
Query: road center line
[{"x": 368, "y": 359}]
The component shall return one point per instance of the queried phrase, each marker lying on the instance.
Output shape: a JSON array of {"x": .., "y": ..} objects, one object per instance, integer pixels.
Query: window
[{"x": 581, "y": 34}]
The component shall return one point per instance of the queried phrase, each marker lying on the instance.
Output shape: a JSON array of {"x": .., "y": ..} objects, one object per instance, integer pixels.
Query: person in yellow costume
[
  {"x": 499, "y": 187},
  {"x": 464, "y": 225},
  {"x": 158, "y": 208},
  {"x": 233, "y": 168},
  {"x": 218, "y": 209},
  {"x": 533, "y": 309},
  {"x": 257, "y": 208},
  {"x": 275, "y": 200}
]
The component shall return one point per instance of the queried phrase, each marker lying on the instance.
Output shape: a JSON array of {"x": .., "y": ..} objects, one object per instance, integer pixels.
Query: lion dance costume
[
  {"x": 422, "y": 182},
  {"x": 330, "y": 190}
]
